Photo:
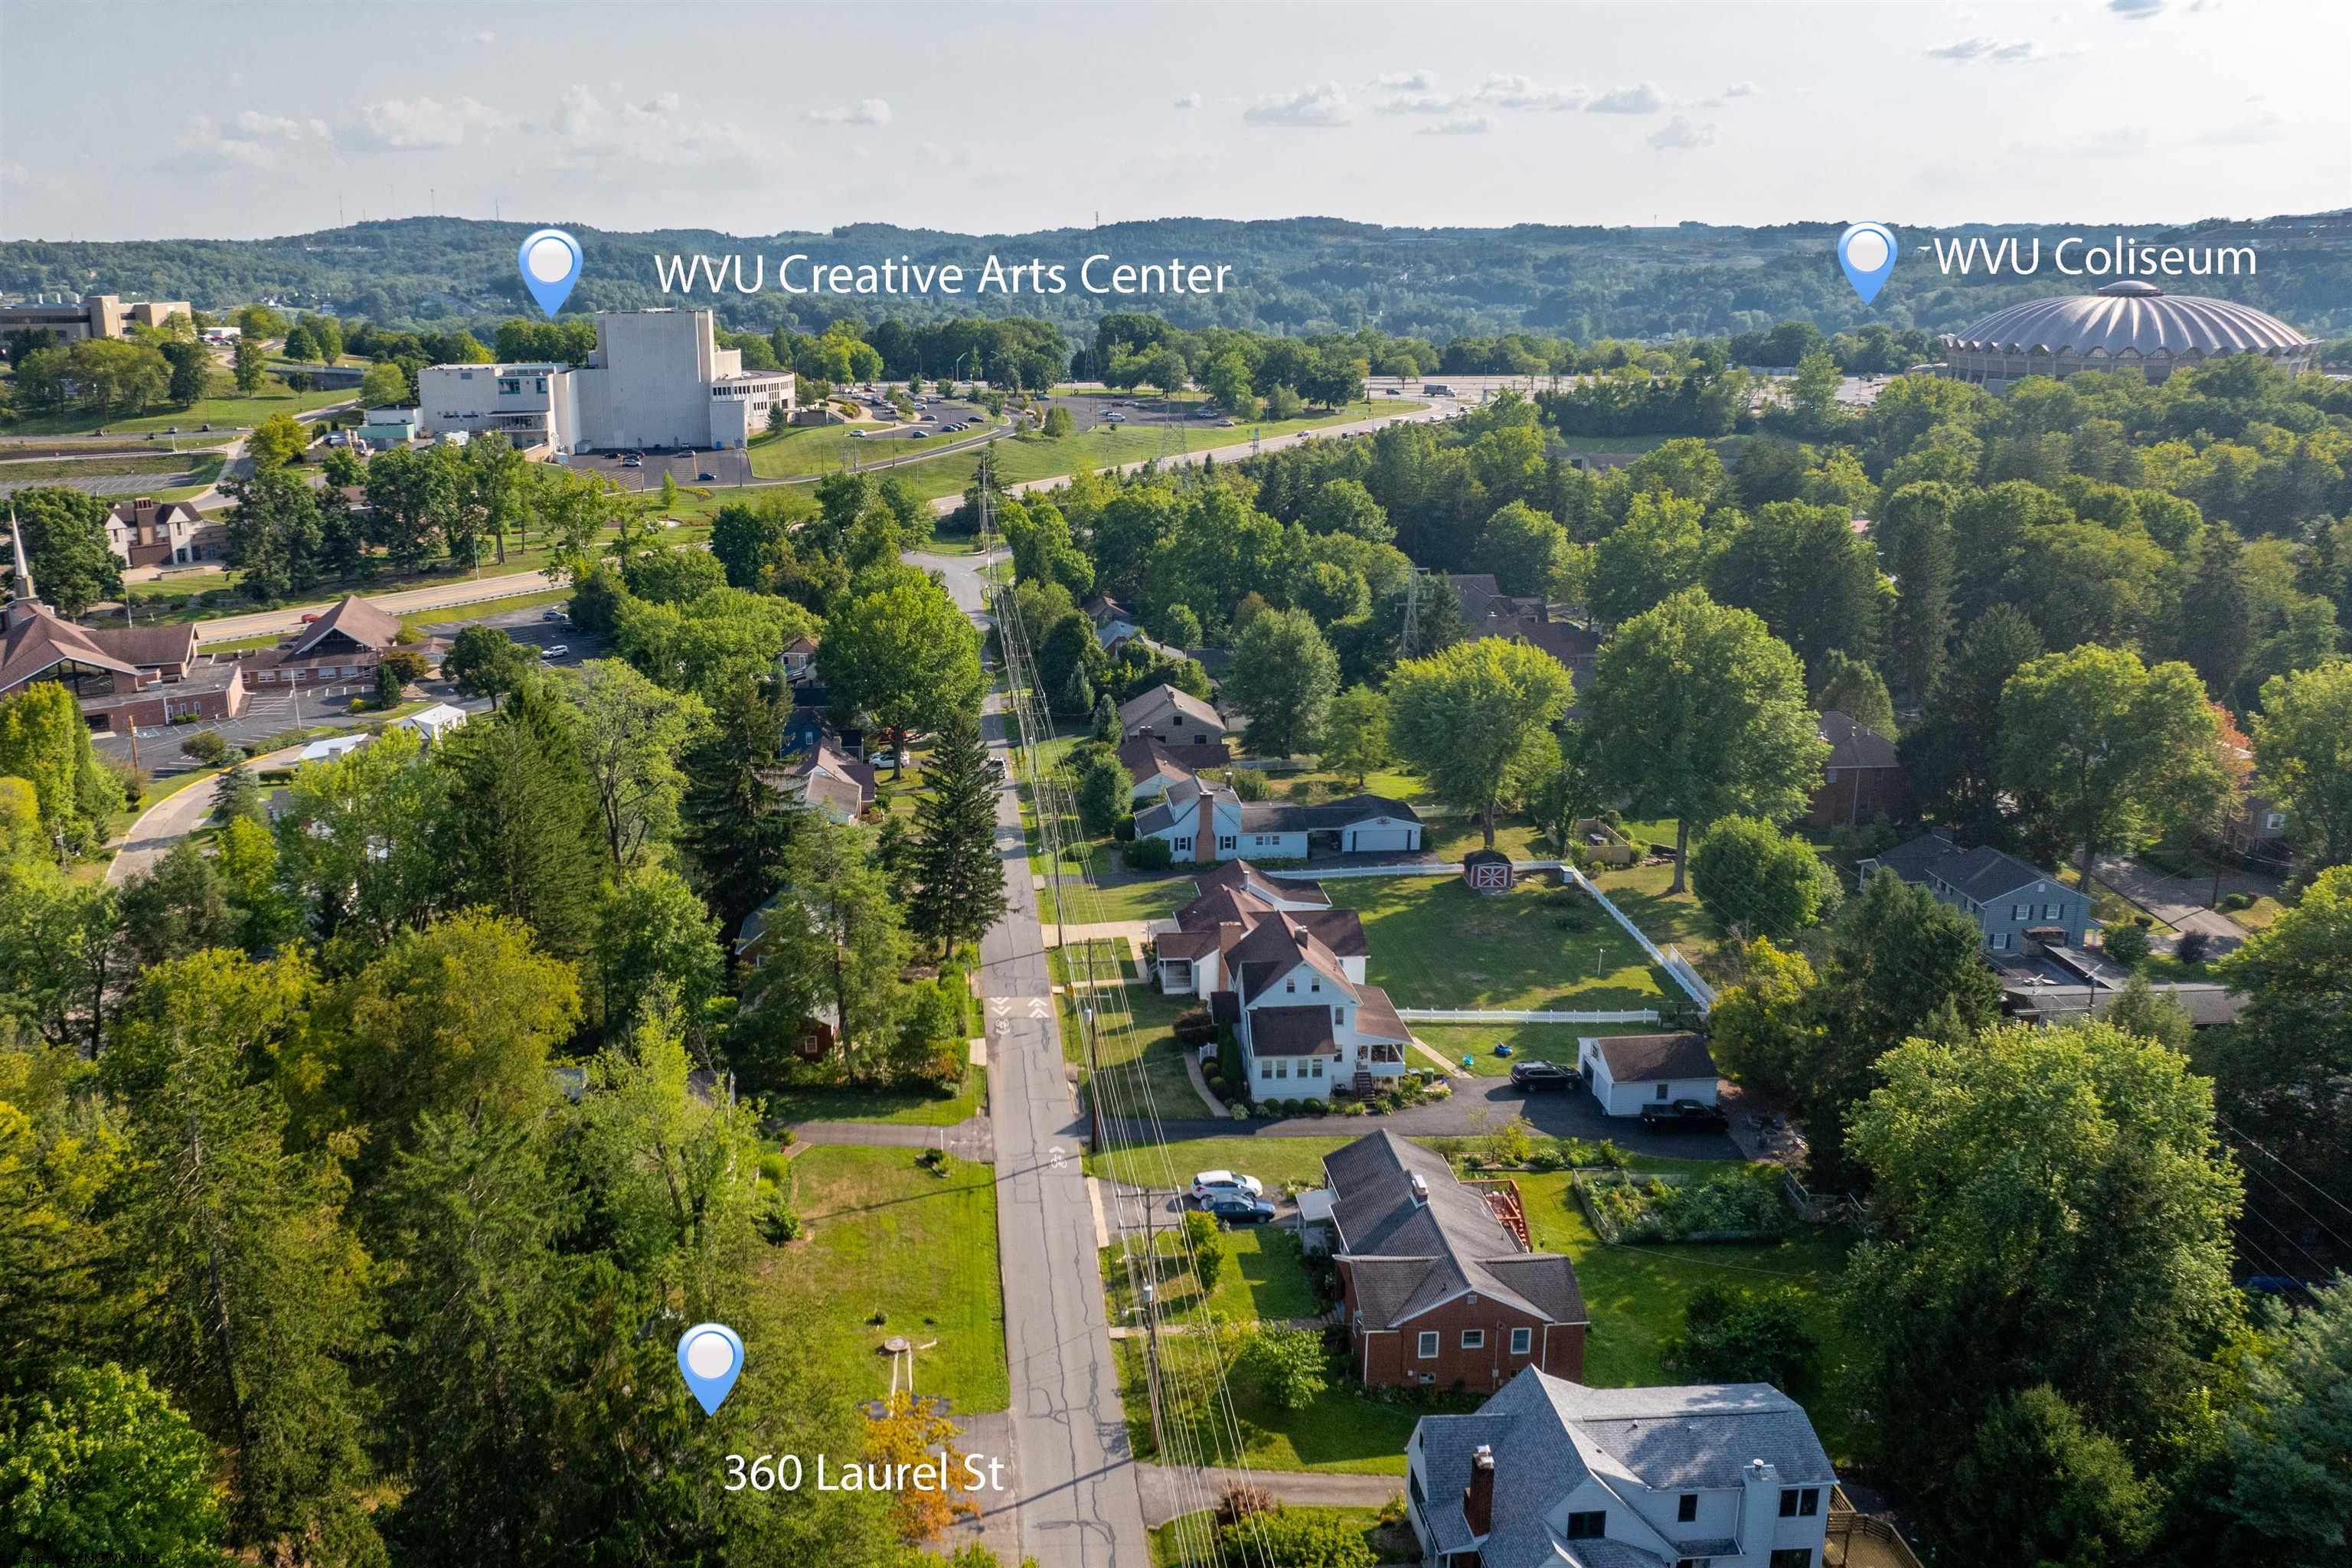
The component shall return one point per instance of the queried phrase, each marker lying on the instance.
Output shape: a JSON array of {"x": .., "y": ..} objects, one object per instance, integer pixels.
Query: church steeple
[{"x": 23, "y": 603}]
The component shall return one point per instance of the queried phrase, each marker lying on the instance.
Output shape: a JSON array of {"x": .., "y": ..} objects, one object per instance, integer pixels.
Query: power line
[{"x": 2290, "y": 1170}]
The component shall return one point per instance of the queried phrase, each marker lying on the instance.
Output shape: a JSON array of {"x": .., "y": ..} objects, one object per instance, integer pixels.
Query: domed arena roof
[{"x": 2130, "y": 318}]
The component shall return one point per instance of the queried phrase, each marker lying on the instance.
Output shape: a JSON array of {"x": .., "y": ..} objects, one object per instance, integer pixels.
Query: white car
[{"x": 1224, "y": 1184}]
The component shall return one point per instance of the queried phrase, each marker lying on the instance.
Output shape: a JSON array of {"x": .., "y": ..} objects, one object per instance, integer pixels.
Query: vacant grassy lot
[
  {"x": 229, "y": 412},
  {"x": 903, "y": 1106},
  {"x": 1340, "y": 1430},
  {"x": 41, "y": 469},
  {"x": 1273, "y": 1161},
  {"x": 1261, "y": 1282},
  {"x": 1435, "y": 943},
  {"x": 1184, "y": 1543},
  {"x": 888, "y": 1240},
  {"x": 1636, "y": 1294},
  {"x": 817, "y": 450}
]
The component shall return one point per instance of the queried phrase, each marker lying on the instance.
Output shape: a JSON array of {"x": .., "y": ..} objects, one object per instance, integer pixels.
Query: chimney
[
  {"x": 1420, "y": 1190},
  {"x": 1478, "y": 1497}
]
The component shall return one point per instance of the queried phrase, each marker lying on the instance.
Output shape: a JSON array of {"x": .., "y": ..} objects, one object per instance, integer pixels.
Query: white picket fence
[
  {"x": 1518, "y": 1016},
  {"x": 1688, "y": 978},
  {"x": 1698, "y": 990}
]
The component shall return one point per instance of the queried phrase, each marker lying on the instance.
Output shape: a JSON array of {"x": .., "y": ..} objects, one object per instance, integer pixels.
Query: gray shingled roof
[
  {"x": 1550, "y": 1434},
  {"x": 1853, "y": 744},
  {"x": 1982, "y": 873},
  {"x": 1297, "y": 817},
  {"x": 1646, "y": 1058}
]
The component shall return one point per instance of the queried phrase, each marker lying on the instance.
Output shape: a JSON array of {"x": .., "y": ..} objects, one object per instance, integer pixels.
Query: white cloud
[
  {"x": 2011, "y": 51},
  {"x": 1679, "y": 132},
  {"x": 1419, "y": 103},
  {"x": 2262, "y": 127},
  {"x": 1406, "y": 81},
  {"x": 1470, "y": 125},
  {"x": 865, "y": 111},
  {"x": 484, "y": 37},
  {"x": 1507, "y": 91},
  {"x": 1642, "y": 98},
  {"x": 1740, "y": 90},
  {"x": 1317, "y": 108},
  {"x": 653, "y": 133},
  {"x": 2135, "y": 10},
  {"x": 2123, "y": 141},
  {"x": 1189, "y": 100},
  {"x": 419, "y": 125},
  {"x": 206, "y": 146}
]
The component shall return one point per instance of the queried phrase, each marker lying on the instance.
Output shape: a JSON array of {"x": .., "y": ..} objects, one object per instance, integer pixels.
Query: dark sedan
[
  {"x": 1238, "y": 1210},
  {"x": 1685, "y": 1113},
  {"x": 1533, "y": 1078}
]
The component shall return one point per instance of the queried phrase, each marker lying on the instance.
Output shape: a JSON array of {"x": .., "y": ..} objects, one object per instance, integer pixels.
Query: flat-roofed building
[{"x": 91, "y": 316}]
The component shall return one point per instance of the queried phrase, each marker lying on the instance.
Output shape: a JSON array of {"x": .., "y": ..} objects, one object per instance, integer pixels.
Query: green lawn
[
  {"x": 904, "y": 1106},
  {"x": 1182, "y": 1543},
  {"x": 1666, "y": 919},
  {"x": 1435, "y": 943},
  {"x": 231, "y": 413},
  {"x": 1261, "y": 1280},
  {"x": 1273, "y": 1161},
  {"x": 887, "y": 1238},
  {"x": 1147, "y": 1045},
  {"x": 1340, "y": 1430},
  {"x": 1636, "y": 1294},
  {"x": 1537, "y": 1042},
  {"x": 39, "y": 470},
  {"x": 817, "y": 450}
]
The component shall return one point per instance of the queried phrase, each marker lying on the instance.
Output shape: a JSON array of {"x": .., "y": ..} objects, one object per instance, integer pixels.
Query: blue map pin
[
  {"x": 1866, "y": 251},
  {"x": 711, "y": 1356},
  {"x": 549, "y": 259}
]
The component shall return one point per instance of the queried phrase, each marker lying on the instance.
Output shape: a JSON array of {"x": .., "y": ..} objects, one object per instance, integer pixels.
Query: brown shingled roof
[{"x": 356, "y": 619}]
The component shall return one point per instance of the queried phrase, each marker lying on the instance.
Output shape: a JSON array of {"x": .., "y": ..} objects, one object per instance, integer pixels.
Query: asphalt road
[{"x": 1078, "y": 1504}]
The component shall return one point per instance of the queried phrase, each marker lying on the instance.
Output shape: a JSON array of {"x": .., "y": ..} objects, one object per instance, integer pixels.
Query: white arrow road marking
[{"x": 1037, "y": 1008}]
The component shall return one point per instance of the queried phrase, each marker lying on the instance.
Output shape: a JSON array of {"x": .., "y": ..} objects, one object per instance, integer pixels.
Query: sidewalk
[{"x": 1168, "y": 1493}]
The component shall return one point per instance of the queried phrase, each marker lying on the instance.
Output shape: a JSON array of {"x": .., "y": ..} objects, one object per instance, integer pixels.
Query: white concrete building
[
  {"x": 1630, "y": 1071},
  {"x": 655, "y": 378}
]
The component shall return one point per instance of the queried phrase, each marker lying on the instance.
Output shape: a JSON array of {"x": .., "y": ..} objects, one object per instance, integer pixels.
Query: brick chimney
[{"x": 1478, "y": 1497}]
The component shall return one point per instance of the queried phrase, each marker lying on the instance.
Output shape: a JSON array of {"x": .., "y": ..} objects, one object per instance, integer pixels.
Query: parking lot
[{"x": 726, "y": 469}]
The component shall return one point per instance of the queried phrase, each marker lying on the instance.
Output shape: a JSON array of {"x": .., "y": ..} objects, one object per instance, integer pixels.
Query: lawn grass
[
  {"x": 902, "y": 1106},
  {"x": 232, "y": 413},
  {"x": 1339, "y": 1431},
  {"x": 1180, "y": 1543},
  {"x": 33, "y": 471},
  {"x": 2256, "y": 916},
  {"x": 1636, "y": 1294},
  {"x": 802, "y": 449},
  {"x": 1275, "y": 1162},
  {"x": 1435, "y": 943},
  {"x": 887, "y": 1237},
  {"x": 1262, "y": 1279},
  {"x": 1529, "y": 1042},
  {"x": 1666, "y": 919},
  {"x": 1149, "y": 1046}
]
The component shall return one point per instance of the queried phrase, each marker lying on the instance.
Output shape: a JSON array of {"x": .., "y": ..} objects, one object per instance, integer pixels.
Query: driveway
[
  {"x": 173, "y": 818},
  {"x": 2180, "y": 901}
]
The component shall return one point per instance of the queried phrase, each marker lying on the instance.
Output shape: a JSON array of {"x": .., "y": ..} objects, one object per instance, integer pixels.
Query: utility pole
[{"x": 1151, "y": 1317}]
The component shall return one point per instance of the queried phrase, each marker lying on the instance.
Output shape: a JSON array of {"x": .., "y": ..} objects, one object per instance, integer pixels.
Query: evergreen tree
[
  {"x": 959, "y": 880},
  {"x": 2216, "y": 629},
  {"x": 835, "y": 948},
  {"x": 1920, "y": 557},
  {"x": 521, "y": 834},
  {"x": 236, "y": 793},
  {"x": 733, "y": 822},
  {"x": 255, "y": 1287}
]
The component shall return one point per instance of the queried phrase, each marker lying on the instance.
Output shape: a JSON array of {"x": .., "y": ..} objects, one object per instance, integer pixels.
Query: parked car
[
  {"x": 553, "y": 650},
  {"x": 1535, "y": 1078},
  {"x": 918, "y": 435},
  {"x": 1209, "y": 1184},
  {"x": 550, "y": 615},
  {"x": 858, "y": 435},
  {"x": 1685, "y": 1113},
  {"x": 306, "y": 620},
  {"x": 1238, "y": 1210},
  {"x": 705, "y": 478},
  {"x": 633, "y": 462}
]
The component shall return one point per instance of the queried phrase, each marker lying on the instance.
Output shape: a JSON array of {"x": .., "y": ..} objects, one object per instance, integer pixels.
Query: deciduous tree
[
  {"x": 1465, "y": 715},
  {"x": 1283, "y": 678}
]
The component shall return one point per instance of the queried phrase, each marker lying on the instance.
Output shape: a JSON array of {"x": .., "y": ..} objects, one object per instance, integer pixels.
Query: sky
[{"x": 197, "y": 119}]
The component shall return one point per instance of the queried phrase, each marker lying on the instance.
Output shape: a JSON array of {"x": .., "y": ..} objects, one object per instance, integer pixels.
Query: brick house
[
  {"x": 344, "y": 645},
  {"x": 1863, "y": 777},
  {"x": 1171, "y": 717},
  {"x": 1438, "y": 1286},
  {"x": 122, "y": 678}
]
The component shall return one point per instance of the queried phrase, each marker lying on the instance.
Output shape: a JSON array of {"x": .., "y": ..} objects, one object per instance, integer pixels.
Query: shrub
[
  {"x": 1195, "y": 1026},
  {"x": 2237, "y": 900},
  {"x": 1743, "y": 1201},
  {"x": 772, "y": 1168},
  {"x": 1241, "y": 1502},
  {"x": 208, "y": 748},
  {"x": 1353, "y": 1108},
  {"x": 1147, "y": 855},
  {"x": 2190, "y": 948},
  {"x": 1307, "y": 1541},
  {"x": 777, "y": 1221},
  {"x": 1731, "y": 1335},
  {"x": 1250, "y": 784},
  {"x": 2127, "y": 945},
  {"x": 1288, "y": 1366}
]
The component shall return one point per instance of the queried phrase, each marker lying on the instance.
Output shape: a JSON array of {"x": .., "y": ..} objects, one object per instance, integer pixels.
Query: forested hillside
[{"x": 1290, "y": 275}]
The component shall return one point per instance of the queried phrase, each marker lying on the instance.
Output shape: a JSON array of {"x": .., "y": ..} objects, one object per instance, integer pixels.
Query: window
[
  {"x": 1282, "y": 1067},
  {"x": 2000, "y": 942},
  {"x": 2275, "y": 822},
  {"x": 1800, "y": 1502},
  {"x": 1339, "y": 1018},
  {"x": 1291, "y": 985},
  {"x": 1318, "y": 1067},
  {"x": 1428, "y": 1346},
  {"x": 1687, "y": 1509},
  {"x": 1225, "y": 841},
  {"x": 1664, "y": 1089},
  {"x": 2049, "y": 912},
  {"x": 1590, "y": 1526},
  {"x": 1181, "y": 845},
  {"x": 1793, "y": 1557},
  {"x": 1316, "y": 986},
  {"x": 1833, "y": 775},
  {"x": 1474, "y": 1339},
  {"x": 2020, "y": 911},
  {"x": 1522, "y": 1340},
  {"x": 509, "y": 384}
]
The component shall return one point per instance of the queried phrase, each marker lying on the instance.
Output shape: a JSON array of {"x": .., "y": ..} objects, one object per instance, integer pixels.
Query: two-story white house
[
  {"x": 1551, "y": 1474},
  {"x": 1285, "y": 971},
  {"x": 1202, "y": 821}
]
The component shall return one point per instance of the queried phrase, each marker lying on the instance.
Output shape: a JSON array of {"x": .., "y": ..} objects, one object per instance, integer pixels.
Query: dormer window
[{"x": 1290, "y": 986}]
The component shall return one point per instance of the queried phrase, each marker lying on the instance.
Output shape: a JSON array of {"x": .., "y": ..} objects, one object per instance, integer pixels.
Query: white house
[
  {"x": 1152, "y": 765},
  {"x": 1630, "y": 1071},
  {"x": 1202, "y": 821},
  {"x": 826, "y": 780},
  {"x": 432, "y": 723},
  {"x": 1552, "y": 1474},
  {"x": 1194, "y": 959}
]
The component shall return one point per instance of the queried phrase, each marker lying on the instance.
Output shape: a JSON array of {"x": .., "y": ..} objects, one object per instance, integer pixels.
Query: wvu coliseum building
[{"x": 2129, "y": 323}]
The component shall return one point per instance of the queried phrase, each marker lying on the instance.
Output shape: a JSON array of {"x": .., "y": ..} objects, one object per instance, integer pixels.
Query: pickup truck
[{"x": 1689, "y": 1113}]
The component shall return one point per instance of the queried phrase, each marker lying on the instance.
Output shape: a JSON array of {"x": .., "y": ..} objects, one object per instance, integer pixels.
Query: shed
[{"x": 1486, "y": 871}]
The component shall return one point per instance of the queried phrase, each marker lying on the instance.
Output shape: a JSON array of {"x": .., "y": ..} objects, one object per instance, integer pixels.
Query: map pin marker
[
  {"x": 549, "y": 259},
  {"x": 711, "y": 1355},
  {"x": 1866, "y": 251}
]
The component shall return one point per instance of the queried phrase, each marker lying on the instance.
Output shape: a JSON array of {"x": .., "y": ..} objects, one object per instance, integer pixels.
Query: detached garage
[
  {"x": 1627, "y": 1072},
  {"x": 1381, "y": 833}
]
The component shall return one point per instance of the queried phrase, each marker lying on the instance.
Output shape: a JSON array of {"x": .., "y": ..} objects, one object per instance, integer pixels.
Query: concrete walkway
[
  {"x": 1169, "y": 1493},
  {"x": 1201, "y": 1085}
]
